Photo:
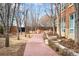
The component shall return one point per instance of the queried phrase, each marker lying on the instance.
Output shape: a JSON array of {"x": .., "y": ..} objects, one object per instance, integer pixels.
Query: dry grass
[{"x": 16, "y": 46}]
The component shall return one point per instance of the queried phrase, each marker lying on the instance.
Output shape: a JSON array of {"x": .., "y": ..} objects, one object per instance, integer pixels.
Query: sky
[{"x": 37, "y": 9}]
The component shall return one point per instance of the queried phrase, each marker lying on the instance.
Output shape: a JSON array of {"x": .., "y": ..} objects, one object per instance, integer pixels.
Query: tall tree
[
  {"x": 25, "y": 21},
  {"x": 5, "y": 18},
  {"x": 52, "y": 18},
  {"x": 58, "y": 15},
  {"x": 7, "y": 6},
  {"x": 17, "y": 20},
  {"x": 77, "y": 22},
  {"x": 13, "y": 16}
]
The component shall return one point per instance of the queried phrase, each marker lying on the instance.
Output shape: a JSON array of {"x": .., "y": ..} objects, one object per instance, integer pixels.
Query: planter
[
  {"x": 46, "y": 36},
  {"x": 62, "y": 49},
  {"x": 70, "y": 44},
  {"x": 46, "y": 41},
  {"x": 52, "y": 37}
]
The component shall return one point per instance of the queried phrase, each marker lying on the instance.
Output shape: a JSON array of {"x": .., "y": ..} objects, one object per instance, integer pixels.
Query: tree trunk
[
  {"x": 25, "y": 27},
  {"x": 13, "y": 17},
  {"x": 58, "y": 21},
  {"x": 54, "y": 27},
  {"x": 17, "y": 21},
  {"x": 7, "y": 6},
  {"x": 77, "y": 23},
  {"x": 17, "y": 29},
  {"x": 20, "y": 26},
  {"x": 25, "y": 21},
  {"x": 7, "y": 40},
  {"x": 25, "y": 31}
]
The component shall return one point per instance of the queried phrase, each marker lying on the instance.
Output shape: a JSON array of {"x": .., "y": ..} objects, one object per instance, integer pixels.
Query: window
[
  {"x": 63, "y": 24},
  {"x": 63, "y": 6},
  {"x": 71, "y": 17},
  {"x": 71, "y": 22}
]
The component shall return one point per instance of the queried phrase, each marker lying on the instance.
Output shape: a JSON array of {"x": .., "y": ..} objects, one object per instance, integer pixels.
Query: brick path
[{"x": 36, "y": 47}]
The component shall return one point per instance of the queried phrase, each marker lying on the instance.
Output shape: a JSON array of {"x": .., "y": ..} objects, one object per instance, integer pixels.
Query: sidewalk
[{"x": 36, "y": 47}]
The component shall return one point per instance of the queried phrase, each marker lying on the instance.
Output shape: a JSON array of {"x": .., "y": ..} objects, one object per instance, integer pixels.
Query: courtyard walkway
[{"x": 36, "y": 47}]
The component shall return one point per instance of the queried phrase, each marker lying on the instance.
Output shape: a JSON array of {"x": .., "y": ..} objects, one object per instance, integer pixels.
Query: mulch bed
[{"x": 69, "y": 43}]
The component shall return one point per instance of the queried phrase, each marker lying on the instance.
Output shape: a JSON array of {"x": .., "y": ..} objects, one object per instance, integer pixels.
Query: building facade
[{"x": 68, "y": 17}]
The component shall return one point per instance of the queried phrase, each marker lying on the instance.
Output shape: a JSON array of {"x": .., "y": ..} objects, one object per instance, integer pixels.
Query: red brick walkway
[{"x": 36, "y": 47}]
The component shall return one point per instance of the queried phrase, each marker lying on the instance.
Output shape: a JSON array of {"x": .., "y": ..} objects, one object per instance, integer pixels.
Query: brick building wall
[
  {"x": 70, "y": 9},
  {"x": 13, "y": 30}
]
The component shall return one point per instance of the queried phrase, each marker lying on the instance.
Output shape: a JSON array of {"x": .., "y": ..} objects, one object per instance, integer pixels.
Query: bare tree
[
  {"x": 13, "y": 15},
  {"x": 25, "y": 21},
  {"x": 5, "y": 18},
  {"x": 7, "y": 15},
  {"x": 38, "y": 18},
  {"x": 33, "y": 20},
  {"x": 52, "y": 18},
  {"x": 77, "y": 22},
  {"x": 58, "y": 19},
  {"x": 17, "y": 20}
]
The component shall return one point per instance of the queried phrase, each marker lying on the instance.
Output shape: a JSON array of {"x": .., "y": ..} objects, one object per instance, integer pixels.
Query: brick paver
[{"x": 36, "y": 47}]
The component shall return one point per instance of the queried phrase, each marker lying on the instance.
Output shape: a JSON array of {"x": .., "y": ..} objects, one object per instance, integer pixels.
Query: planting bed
[
  {"x": 69, "y": 43},
  {"x": 62, "y": 50},
  {"x": 66, "y": 47}
]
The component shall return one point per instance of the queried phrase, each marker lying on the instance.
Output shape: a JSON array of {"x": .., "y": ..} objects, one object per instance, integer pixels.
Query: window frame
[
  {"x": 63, "y": 24},
  {"x": 72, "y": 23}
]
